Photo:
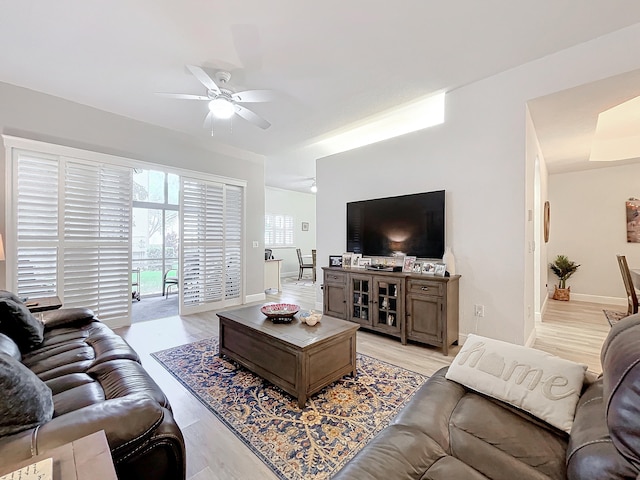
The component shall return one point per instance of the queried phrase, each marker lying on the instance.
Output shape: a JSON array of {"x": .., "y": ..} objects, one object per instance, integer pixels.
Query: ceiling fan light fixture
[{"x": 221, "y": 108}]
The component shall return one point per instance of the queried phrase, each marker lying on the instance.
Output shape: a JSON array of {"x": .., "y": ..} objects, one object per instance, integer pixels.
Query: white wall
[
  {"x": 588, "y": 224},
  {"x": 479, "y": 157},
  {"x": 302, "y": 206},
  {"x": 33, "y": 115}
]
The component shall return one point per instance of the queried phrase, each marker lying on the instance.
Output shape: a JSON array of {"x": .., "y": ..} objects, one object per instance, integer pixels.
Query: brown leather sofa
[
  {"x": 449, "y": 432},
  {"x": 97, "y": 383}
]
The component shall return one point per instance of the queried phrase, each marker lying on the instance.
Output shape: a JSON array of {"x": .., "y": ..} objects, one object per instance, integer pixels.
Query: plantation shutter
[
  {"x": 211, "y": 245},
  {"x": 97, "y": 226},
  {"x": 233, "y": 241},
  {"x": 36, "y": 211}
]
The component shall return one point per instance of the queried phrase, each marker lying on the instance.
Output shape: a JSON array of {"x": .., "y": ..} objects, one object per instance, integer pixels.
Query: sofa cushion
[
  {"x": 9, "y": 347},
  {"x": 535, "y": 381},
  {"x": 25, "y": 401},
  {"x": 17, "y": 322}
]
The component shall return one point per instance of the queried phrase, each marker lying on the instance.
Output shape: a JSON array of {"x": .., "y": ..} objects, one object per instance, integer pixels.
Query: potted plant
[{"x": 563, "y": 268}]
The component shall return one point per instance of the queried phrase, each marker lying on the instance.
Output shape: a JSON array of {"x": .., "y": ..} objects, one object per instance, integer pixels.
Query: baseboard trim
[
  {"x": 117, "y": 323},
  {"x": 532, "y": 338},
  {"x": 581, "y": 297},
  {"x": 256, "y": 297}
]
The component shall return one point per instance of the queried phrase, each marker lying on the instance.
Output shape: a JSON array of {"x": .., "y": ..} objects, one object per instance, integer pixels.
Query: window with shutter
[
  {"x": 97, "y": 225},
  {"x": 278, "y": 230},
  {"x": 211, "y": 244}
]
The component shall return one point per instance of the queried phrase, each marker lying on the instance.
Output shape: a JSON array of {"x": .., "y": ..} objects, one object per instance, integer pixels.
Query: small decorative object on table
[
  {"x": 280, "y": 312},
  {"x": 311, "y": 317}
]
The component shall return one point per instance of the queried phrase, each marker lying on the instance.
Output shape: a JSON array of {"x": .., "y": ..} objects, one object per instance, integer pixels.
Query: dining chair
[
  {"x": 613, "y": 316},
  {"x": 303, "y": 265},
  {"x": 313, "y": 256},
  {"x": 632, "y": 297},
  {"x": 169, "y": 281}
]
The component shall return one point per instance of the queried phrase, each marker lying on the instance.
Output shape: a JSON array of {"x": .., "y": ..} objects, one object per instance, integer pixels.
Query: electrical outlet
[{"x": 478, "y": 310}]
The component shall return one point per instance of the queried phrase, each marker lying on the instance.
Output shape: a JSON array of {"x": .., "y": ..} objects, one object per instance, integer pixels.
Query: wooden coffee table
[{"x": 299, "y": 359}]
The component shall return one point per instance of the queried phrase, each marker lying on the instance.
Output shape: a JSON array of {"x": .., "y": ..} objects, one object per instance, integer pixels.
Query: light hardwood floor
[{"x": 573, "y": 330}]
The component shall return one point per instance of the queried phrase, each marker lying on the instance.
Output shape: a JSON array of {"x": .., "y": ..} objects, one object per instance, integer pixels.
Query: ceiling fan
[{"x": 224, "y": 103}]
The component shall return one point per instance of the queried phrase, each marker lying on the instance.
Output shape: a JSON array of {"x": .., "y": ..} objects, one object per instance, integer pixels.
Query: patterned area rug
[
  {"x": 614, "y": 317},
  {"x": 312, "y": 443}
]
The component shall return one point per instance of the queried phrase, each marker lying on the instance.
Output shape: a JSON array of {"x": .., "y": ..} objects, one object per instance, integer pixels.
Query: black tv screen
[{"x": 408, "y": 224}]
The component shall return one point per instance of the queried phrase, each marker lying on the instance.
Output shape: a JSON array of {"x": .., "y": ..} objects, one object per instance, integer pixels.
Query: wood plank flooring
[{"x": 573, "y": 330}]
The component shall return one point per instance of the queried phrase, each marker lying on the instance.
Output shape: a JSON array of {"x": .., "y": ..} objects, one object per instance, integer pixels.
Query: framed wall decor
[
  {"x": 547, "y": 219},
  {"x": 335, "y": 260},
  {"x": 633, "y": 220},
  {"x": 305, "y": 226}
]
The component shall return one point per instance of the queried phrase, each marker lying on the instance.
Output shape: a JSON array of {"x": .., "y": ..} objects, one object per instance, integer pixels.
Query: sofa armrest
[
  {"x": 67, "y": 316},
  {"x": 124, "y": 420},
  {"x": 144, "y": 440}
]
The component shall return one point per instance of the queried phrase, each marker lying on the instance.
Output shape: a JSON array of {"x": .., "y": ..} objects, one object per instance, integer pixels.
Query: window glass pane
[
  {"x": 156, "y": 186},
  {"x": 174, "y": 189},
  {"x": 171, "y": 236},
  {"x": 148, "y": 186}
]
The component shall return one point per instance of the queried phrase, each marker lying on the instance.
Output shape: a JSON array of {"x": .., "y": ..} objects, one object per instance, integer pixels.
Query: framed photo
[
  {"x": 346, "y": 260},
  {"x": 407, "y": 267},
  {"x": 335, "y": 260},
  {"x": 305, "y": 226},
  {"x": 417, "y": 267},
  {"x": 439, "y": 269},
  {"x": 364, "y": 262},
  {"x": 429, "y": 268},
  {"x": 355, "y": 260}
]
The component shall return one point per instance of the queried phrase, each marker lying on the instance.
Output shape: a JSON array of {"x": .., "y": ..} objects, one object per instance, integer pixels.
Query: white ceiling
[{"x": 331, "y": 63}]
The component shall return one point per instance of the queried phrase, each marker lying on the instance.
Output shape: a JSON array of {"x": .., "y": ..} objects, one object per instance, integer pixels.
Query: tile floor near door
[{"x": 572, "y": 330}]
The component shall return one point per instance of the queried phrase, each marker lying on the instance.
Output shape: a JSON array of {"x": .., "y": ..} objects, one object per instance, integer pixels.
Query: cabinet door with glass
[
  {"x": 388, "y": 307},
  {"x": 360, "y": 299}
]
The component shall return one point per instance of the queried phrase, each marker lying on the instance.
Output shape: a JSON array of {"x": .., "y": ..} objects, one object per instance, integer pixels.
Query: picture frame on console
[
  {"x": 409, "y": 262},
  {"x": 428, "y": 268},
  {"x": 346, "y": 260},
  {"x": 440, "y": 269},
  {"x": 335, "y": 260},
  {"x": 417, "y": 267},
  {"x": 364, "y": 262}
]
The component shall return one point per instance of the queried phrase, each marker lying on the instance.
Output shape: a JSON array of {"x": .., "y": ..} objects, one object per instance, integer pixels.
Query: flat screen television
[{"x": 408, "y": 224}]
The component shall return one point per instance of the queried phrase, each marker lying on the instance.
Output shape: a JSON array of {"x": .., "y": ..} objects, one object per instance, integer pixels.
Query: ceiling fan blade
[
  {"x": 204, "y": 78},
  {"x": 252, "y": 117},
  {"x": 182, "y": 96},
  {"x": 254, "y": 96}
]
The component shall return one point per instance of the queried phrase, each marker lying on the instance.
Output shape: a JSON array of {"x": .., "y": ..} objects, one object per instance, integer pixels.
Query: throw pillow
[
  {"x": 25, "y": 401},
  {"x": 535, "y": 381},
  {"x": 17, "y": 322}
]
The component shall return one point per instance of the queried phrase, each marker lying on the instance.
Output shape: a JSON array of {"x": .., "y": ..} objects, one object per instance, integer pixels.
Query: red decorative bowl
[{"x": 280, "y": 311}]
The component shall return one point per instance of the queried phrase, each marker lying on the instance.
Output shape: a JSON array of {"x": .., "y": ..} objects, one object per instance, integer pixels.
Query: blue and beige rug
[{"x": 312, "y": 443}]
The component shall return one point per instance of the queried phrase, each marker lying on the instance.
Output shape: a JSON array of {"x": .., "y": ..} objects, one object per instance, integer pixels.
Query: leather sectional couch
[
  {"x": 96, "y": 382},
  {"x": 448, "y": 431}
]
